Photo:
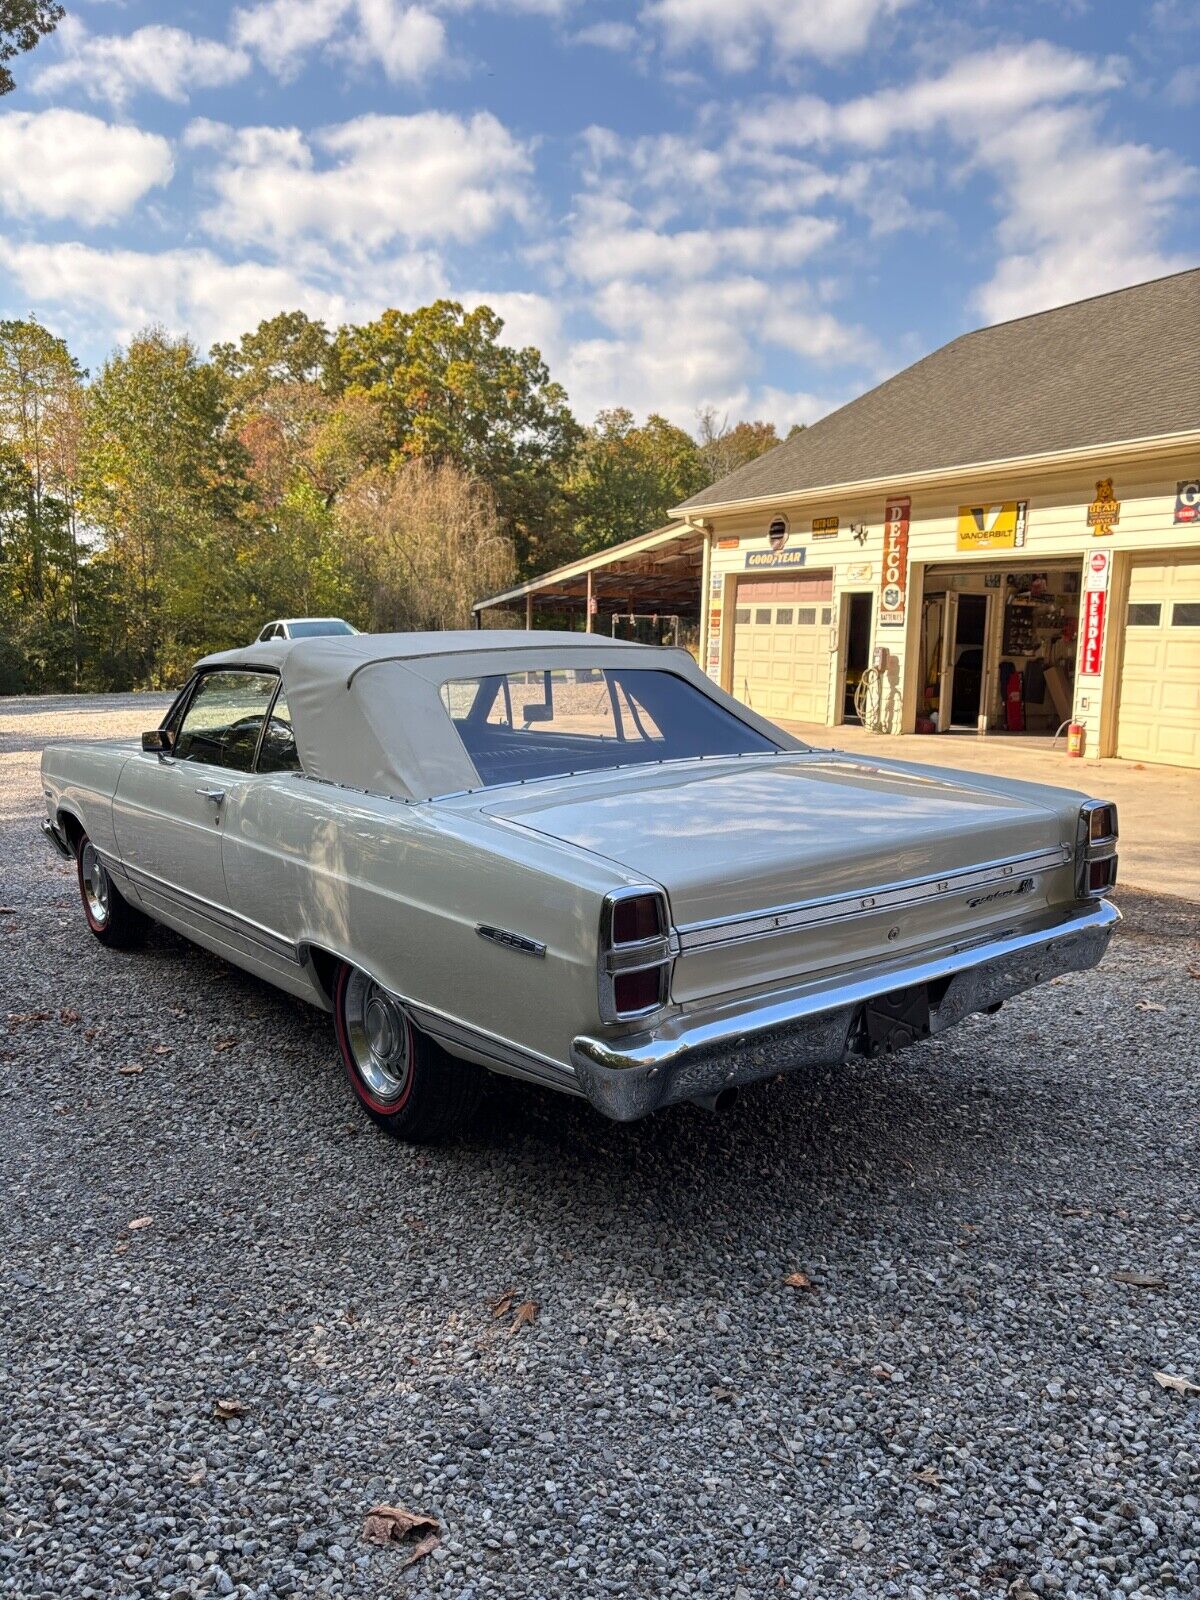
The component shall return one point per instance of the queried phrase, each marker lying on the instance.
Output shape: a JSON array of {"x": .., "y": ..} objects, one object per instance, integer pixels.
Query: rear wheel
[
  {"x": 109, "y": 915},
  {"x": 406, "y": 1083}
]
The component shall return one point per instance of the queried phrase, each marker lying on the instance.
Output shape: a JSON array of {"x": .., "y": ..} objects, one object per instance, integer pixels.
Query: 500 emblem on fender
[{"x": 1024, "y": 887}]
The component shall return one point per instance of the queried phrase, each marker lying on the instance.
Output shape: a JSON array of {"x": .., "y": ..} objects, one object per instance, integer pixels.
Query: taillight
[
  {"x": 635, "y": 954},
  {"x": 1096, "y": 849}
]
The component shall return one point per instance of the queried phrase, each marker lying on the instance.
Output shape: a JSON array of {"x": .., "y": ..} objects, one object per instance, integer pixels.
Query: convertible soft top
[{"x": 367, "y": 711}]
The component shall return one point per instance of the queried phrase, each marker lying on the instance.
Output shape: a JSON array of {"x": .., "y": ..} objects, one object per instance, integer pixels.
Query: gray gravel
[{"x": 963, "y": 1404}]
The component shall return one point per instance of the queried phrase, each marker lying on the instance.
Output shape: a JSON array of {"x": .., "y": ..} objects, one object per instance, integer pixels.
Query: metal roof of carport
[{"x": 663, "y": 565}]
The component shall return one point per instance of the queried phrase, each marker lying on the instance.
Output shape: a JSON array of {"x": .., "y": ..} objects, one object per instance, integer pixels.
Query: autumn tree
[
  {"x": 452, "y": 391},
  {"x": 723, "y": 449},
  {"x": 427, "y": 541},
  {"x": 22, "y": 24},
  {"x": 291, "y": 349},
  {"x": 624, "y": 478}
]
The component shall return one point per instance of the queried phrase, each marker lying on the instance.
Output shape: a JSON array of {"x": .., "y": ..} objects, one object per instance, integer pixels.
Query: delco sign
[{"x": 893, "y": 584}]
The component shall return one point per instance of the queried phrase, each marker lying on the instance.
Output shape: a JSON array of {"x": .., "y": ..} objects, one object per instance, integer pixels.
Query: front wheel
[
  {"x": 406, "y": 1083},
  {"x": 109, "y": 915}
]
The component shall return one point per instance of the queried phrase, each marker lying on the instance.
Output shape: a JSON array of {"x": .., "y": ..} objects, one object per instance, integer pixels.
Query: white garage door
[
  {"x": 1159, "y": 714},
  {"x": 781, "y": 655}
]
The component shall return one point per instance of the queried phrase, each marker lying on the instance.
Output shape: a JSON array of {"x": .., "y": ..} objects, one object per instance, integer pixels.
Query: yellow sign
[
  {"x": 1105, "y": 509},
  {"x": 996, "y": 527}
]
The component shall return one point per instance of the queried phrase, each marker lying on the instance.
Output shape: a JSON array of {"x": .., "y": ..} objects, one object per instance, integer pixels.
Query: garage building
[{"x": 1004, "y": 538}]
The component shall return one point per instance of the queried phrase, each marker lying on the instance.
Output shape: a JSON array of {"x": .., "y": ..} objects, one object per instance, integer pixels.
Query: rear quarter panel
[
  {"x": 400, "y": 890},
  {"x": 79, "y": 780}
]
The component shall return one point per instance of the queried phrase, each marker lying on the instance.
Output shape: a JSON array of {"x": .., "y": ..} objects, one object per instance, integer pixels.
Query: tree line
[{"x": 389, "y": 472}]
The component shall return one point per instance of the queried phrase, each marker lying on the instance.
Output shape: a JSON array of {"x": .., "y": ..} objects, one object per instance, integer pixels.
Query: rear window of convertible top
[{"x": 549, "y": 722}]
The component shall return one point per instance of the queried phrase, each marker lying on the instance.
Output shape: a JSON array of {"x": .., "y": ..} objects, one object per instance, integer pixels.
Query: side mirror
[{"x": 158, "y": 741}]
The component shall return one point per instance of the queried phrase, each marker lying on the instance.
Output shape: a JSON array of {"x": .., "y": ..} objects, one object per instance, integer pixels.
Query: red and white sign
[
  {"x": 1091, "y": 650},
  {"x": 893, "y": 585},
  {"x": 1099, "y": 564}
]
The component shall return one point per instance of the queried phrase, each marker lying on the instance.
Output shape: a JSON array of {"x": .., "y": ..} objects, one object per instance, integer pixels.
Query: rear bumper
[
  {"x": 701, "y": 1051},
  {"x": 56, "y": 841}
]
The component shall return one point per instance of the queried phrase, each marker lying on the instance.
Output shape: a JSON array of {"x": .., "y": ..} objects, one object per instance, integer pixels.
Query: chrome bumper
[
  {"x": 699, "y": 1052},
  {"x": 56, "y": 841}
]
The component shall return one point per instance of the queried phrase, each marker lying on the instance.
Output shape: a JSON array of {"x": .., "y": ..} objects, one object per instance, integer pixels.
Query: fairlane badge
[
  {"x": 511, "y": 941},
  {"x": 1024, "y": 887}
]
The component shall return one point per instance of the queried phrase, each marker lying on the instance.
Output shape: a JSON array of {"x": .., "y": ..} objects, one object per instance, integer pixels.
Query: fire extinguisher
[
  {"x": 1075, "y": 738},
  {"x": 1014, "y": 703}
]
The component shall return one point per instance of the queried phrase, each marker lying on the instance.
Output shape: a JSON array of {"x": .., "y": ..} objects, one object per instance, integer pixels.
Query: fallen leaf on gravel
[
  {"x": 1170, "y": 1380},
  {"x": 17, "y": 1018},
  {"x": 881, "y": 1372},
  {"x": 525, "y": 1314},
  {"x": 502, "y": 1305},
  {"x": 725, "y": 1395},
  {"x": 1194, "y": 972},
  {"x": 395, "y": 1525},
  {"x": 130, "y": 1070},
  {"x": 929, "y": 1475},
  {"x": 68, "y": 1016},
  {"x": 1140, "y": 1280},
  {"x": 224, "y": 1044},
  {"x": 1075, "y": 1211},
  {"x": 139, "y": 1222},
  {"x": 120, "y": 1247},
  {"x": 161, "y": 1050},
  {"x": 8, "y": 911},
  {"x": 799, "y": 1280},
  {"x": 226, "y": 1410},
  {"x": 1147, "y": 1005}
]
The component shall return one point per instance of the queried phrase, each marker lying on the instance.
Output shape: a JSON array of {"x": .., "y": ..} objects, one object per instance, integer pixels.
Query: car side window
[
  {"x": 278, "y": 752},
  {"x": 224, "y": 718}
]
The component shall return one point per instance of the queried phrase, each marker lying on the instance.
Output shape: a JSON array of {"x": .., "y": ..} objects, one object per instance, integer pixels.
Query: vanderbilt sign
[{"x": 995, "y": 527}]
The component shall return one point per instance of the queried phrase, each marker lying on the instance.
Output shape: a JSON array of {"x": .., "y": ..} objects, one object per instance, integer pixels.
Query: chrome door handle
[{"x": 215, "y": 795}]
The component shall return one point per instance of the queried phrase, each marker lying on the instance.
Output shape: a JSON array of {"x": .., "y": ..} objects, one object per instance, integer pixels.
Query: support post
[
  {"x": 529, "y": 610},
  {"x": 588, "y": 623}
]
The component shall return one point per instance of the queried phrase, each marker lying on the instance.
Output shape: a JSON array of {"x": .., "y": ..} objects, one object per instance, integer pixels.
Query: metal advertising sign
[
  {"x": 1187, "y": 501},
  {"x": 825, "y": 527},
  {"x": 893, "y": 589},
  {"x": 1098, "y": 567},
  {"x": 775, "y": 558},
  {"x": 1091, "y": 655},
  {"x": 860, "y": 572},
  {"x": 996, "y": 527},
  {"x": 1105, "y": 510}
]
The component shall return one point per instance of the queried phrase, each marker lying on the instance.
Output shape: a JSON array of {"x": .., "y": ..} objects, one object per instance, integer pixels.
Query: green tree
[
  {"x": 22, "y": 24},
  {"x": 163, "y": 484},
  {"x": 724, "y": 449},
  {"x": 451, "y": 391},
  {"x": 624, "y": 478},
  {"x": 290, "y": 349},
  {"x": 40, "y": 403}
]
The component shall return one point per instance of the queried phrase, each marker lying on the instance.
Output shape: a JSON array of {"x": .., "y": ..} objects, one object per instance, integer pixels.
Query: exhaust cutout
[{"x": 723, "y": 1100}]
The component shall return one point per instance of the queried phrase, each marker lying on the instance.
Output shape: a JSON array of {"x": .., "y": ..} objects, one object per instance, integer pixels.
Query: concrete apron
[{"x": 1159, "y": 806}]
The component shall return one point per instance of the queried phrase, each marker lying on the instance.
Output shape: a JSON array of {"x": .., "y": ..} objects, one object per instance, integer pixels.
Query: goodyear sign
[
  {"x": 756, "y": 559},
  {"x": 994, "y": 527}
]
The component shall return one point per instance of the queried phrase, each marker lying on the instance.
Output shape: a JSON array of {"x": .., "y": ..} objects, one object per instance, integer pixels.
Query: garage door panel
[
  {"x": 781, "y": 656},
  {"x": 1159, "y": 705}
]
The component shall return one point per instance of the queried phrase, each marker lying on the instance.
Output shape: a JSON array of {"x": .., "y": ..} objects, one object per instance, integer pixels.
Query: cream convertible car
[{"x": 570, "y": 860}]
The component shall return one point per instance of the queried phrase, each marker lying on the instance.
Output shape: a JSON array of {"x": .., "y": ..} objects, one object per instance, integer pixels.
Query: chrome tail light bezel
[
  {"x": 619, "y": 957},
  {"x": 1096, "y": 839}
]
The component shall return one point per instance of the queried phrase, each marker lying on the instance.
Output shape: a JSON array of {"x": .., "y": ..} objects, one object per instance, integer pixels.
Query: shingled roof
[{"x": 1116, "y": 367}]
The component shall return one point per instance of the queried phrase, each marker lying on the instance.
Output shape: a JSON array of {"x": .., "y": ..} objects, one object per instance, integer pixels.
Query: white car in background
[
  {"x": 570, "y": 860},
  {"x": 305, "y": 628}
]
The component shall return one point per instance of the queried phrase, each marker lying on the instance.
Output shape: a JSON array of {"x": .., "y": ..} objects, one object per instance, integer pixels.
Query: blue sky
[{"x": 762, "y": 206}]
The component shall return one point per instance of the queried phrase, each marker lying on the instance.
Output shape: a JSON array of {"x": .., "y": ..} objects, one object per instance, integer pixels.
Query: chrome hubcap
[
  {"x": 95, "y": 883},
  {"x": 378, "y": 1034}
]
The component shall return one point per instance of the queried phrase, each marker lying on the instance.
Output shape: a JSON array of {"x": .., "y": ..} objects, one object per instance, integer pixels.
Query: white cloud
[
  {"x": 408, "y": 42},
  {"x": 194, "y": 291},
  {"x": 60, "y": 164},
  {"x": 282, "y": 32},
  {"x": 608, "y": 243},
  {"x": 157, "y": 60},
  {"x": 1061, "y": 179},
  {"x": 970, "y": 96},
  {"x": 737, "y": 32},
  {"x": 430, "y": 176},
  {"x": 608, "y": 36}
]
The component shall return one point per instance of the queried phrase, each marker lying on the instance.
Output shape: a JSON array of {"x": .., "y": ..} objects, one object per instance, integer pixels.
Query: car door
[{"x": 169, "y": 809}]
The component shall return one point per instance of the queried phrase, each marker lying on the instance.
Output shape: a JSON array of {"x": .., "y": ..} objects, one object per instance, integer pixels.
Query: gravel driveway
[{"x": 963, "y": 1402}]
